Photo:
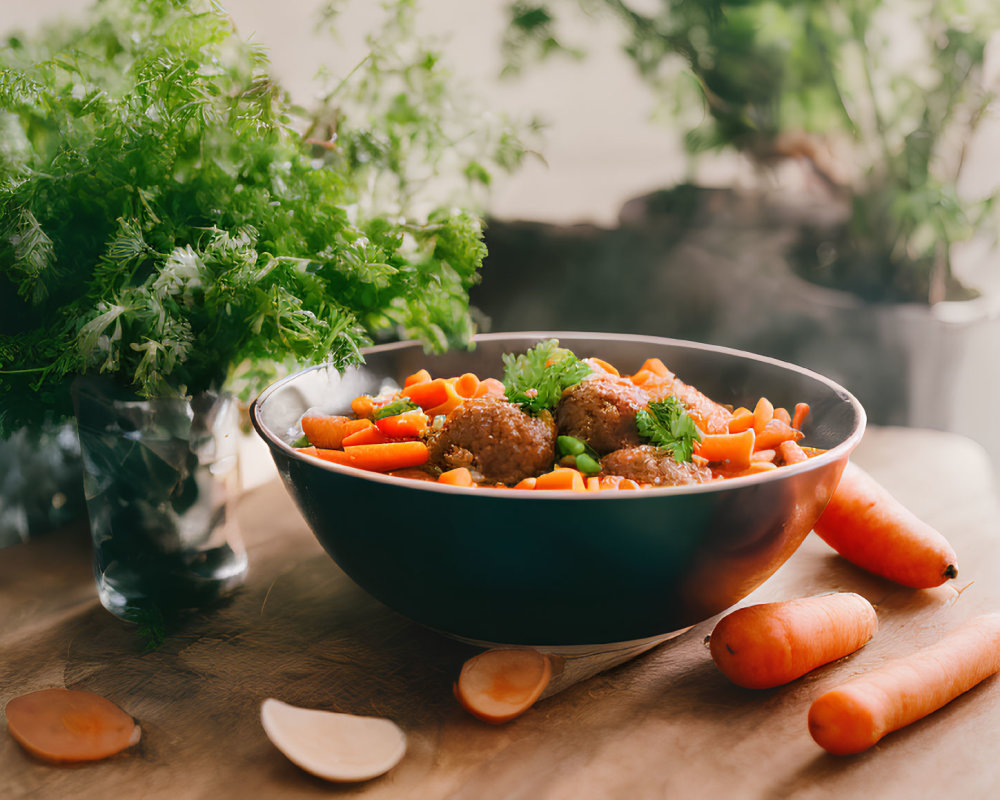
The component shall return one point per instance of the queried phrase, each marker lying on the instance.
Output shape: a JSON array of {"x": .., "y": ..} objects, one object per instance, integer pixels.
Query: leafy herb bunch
[{"x": 163, "y": 221}]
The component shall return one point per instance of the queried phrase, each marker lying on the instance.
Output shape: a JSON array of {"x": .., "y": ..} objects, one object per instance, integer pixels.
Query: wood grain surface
[{"x": 663, "y": 724}]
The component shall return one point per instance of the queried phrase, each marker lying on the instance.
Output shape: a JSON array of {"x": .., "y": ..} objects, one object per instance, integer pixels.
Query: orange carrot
[
  {"x": 363, "y": 406},
  {"x": 741, "y": 420},
  {"x": 561, "y": 478},
  {"x": 854, "y": 716},
  {"x": 369, "y": 435},
  {"x": 402, "y": 426},
  {"x": 783, "y": 415},
  {"x": 460, "y": 476},
  {"x": 386, "y": 457},
  {"x": 420, "y": 376},
  {"x": 657, "y": 367},
  {"x": 603, "y": 366},
  {"x": 329, "y": 431},
  {"x": 799, "y": 417},
  {"x": 593, "y": 484},
  {"x": 763, "y": 413},
  {"x": 427, "y": 394},
  {"x": 467, "y": 385},
  {"x": 763, "y": 455},
  {"x": 628, "y": 484},
  {"x": 67, "y": 725},
  {"x": 451, "y": 401},
  {"x": 774, "y": 432},
  {"x": 770, "y": 644},
  {"x": 525, "y": 483},
  {"x": 491, "y": 387},
  {"x": 791, "y": 453},
  {"x": 642, "y": 377},
  {"x": 873, "y": 530},
  {"x": 498, "y": 685},
  {"x": 735, "y": 448}
]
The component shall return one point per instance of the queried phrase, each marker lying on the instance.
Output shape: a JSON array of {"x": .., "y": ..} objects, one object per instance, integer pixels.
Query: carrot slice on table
[
  {"x": 854, "y": 716},
  {"x": 328, "y": 431},
  {"x": 498, "y": 685},
  {"x": 770, "y": 644},
  {"x": 68, "y": 725},
  {"x": 873, "y": 530}
]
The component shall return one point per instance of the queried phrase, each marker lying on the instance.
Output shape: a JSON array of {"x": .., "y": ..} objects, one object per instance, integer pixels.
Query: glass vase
[{"x": 160, "y": 478}]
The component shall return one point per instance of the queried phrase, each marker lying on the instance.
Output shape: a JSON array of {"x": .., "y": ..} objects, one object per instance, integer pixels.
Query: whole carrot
[
  {"x": 873, "y": 530},
  {"x": 857, "y": 714},
  {"x": 770, "y": 644}
]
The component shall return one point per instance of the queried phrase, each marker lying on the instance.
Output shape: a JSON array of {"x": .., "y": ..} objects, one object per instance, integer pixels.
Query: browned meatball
[
  {"x": 601, "y": 412},
  {"x": 495, "y": 440},
  {"x": 648, "y": 464}
]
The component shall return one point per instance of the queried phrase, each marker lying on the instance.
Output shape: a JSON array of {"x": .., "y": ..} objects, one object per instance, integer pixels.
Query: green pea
[
  {"x": 570, "y": 445},
  {"x": 586, "y": 464}
]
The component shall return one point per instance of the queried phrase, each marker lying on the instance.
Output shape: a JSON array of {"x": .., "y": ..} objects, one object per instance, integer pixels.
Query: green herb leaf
[
  {"x": 537, "y": 378},
  {"x": 400, "y": 406},
  {"x": 667, "y": 425}
]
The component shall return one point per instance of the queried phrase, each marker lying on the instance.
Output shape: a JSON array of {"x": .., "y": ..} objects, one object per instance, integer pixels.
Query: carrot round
[
  {"x": 873, "y": 530},
  {"x": 498, "y": 685},
  {"x": 770, "y": 644},
  {"x": 68, "y": 725},
  {"x": 854, "y": 716}
]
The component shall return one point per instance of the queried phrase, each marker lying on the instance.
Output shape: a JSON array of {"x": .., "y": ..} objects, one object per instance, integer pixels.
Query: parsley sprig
[
  {"x": 667, "y": 425},
  {"x": 537, "y": 378}
]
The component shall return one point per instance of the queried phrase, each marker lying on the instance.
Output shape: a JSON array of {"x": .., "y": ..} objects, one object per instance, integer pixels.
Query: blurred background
[{"x": 813, "y": 181}]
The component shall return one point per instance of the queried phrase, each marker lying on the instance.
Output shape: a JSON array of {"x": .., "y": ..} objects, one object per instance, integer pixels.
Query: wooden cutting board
[{"x": 663, "y": 724}]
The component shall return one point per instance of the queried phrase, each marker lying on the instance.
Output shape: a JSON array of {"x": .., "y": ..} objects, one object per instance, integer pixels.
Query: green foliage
[
  {"x": 537, "y": 378},
  {"x": 900, "y": 86},
  {"x": 666, "y": 425},
  {"x": 163, "y": 221}
]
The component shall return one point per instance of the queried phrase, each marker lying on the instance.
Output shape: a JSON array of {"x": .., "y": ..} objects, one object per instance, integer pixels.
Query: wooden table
[{"x": 665, "y": 724}]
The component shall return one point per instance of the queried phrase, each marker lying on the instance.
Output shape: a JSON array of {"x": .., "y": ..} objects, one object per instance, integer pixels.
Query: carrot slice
[
  {"x": 498, "y": 685},
  {"x": 369, "y": 435},
  {"x": 363, "y": 406},
  {"x": 69, "y": 725},
  {"x": 401, "y": 426},
  {"x": 386, "y": 457},
  {"x": 420, "y": 376},
  {"x": 525, "y": 483},
  {"x": 603, "y": 366},
  {"x": 452, "y": 400},
  {"x": 790, "y": 453},
  {"x": 657, "y": 367},
  {"x": 467, "y": 385},
  {"x": 460, "y": 476},
  {"x": 741, "y": 420},
  {"x": 770, "y": 644},
  {"x": 736, "y": 448},
  {"x": 329, "y": 431},
  {"x": 427, "y": 394},
  {"x": 774, "y": 432},
  {"x": 783, "y": 415},
  {"x": 799, "y": 417},
  {"x": 491, "y": 387},
  {"x": 763, "y": 413},
  {"x": 642, "y": 377},
  {"x": 561, "y": 478},
  {"x": 854, "y": 716},
  {"x": 873, "y": 530}
]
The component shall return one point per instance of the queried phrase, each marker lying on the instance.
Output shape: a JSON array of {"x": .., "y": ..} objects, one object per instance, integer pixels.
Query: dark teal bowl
[{"x": 554, "y": 568}]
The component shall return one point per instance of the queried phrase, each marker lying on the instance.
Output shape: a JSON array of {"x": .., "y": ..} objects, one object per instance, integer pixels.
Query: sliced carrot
[
  {"x": 873, "y": 530},
  {"x": 603, "y": 365},
  {"x": 736, "y": 448},
  {"x": 799, "y": 417},
  {"x": 763, "y": 455},
  {"x": 401, "y": 426},
  {"x": 763, "y": 413},
  {"x": 770, "y": 644},
  {"x": 467, "y": 385},
  {"x": 307, "y": 451},
  {"x": 642, "y": 377},
  {"x": 774, "y": 432},
  {"x": 561, "y": 478},
  {"x": 413, "y": 474},
  {"x": 68, "y": 725},
  {"x": 491, "y": 387},
  {"x": 460, "y": 476},
  {"x": 369, "y": 435},
  {"x": 628, "y": 483},
  {"x": 363, "y": 406},
  {"x": 498, "y": 685},
  {"x": 741, "y": 420},
  {"x": 427, "y": 394},
  {"x": 854, "y": 716},
  {"x": 783, "y": 415},
  {"x": 593, "y": 484},
  {"x": 329, "y": 431},
  {"x": 386, "y": 457},
  {"x": 791, "y": 453},
  {"x": 420, "y": 376},
  {"x": 525, "y": 483},
  {"x": 657, "y": 367}
]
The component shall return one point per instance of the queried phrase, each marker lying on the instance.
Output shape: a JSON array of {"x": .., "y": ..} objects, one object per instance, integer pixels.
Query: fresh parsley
[
  {"x": 667, "y": 425},
  {"x": 537, "y": 378}
]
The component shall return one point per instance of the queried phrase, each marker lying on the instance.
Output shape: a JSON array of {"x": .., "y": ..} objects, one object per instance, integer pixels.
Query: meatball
[
  {"x": 495, "y": 440},
  {"x": 601, "y": 411},
  {"x": 648, "y": 464}
]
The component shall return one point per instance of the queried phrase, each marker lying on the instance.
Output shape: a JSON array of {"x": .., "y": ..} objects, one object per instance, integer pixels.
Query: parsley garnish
[
  {"x": 537, "y": 378},
  {"x": 667, "y": 425},
  {"x": 400, "y": 406}
]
